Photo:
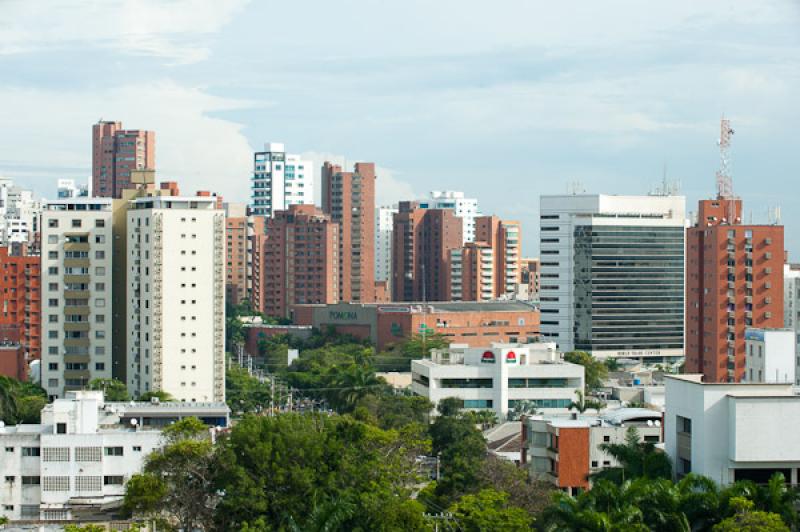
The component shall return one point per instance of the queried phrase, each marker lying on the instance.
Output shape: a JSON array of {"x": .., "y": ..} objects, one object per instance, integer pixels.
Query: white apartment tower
[
  {"x": 384, "y": 227},
  {"x": 176, "y": 297},
  {"x": 464, "y": 208},
  {"x": 279, "y": 180},
  {"x": 77, "y": 293},
  {"x": 612, "y": 274},
  {"x": 19, "y": 213}
]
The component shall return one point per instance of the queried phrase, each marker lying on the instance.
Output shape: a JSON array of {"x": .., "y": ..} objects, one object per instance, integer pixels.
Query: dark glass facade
[{"x": 628, "y": 288}]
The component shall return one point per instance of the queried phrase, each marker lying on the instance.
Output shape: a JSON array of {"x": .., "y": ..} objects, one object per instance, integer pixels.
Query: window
[
  {"x": 99, "y": 270},
  {"x": 87, "y": 454},
  {"x": 594, "y": 463},
  {"x": 52, "y": 239},
  {"x": 10, "y": 478},
  {"x": 112, "y": 480},
  {"x": 137, "y": 448},
  {"x": 100, "y": 287},
  {"x": 9, "y": 449},
  {"x": 100, "y": 254},
  {"x": 606, "y": 438},
  {"x": 31, "y": 481},
  {"x": 113, "y": 451},
  {"x": 76, "y": 222},
  {"x": 100, "y": 318},
  {"x": 61, "y": 428},
  {"x": 100, "y": 303},
  {"x": 56, "y": 454},
  {"x": 30, "y": 451},
  {"x": 99, "y": 223},
  {"x": 52, "y": 223},
  {"x": 100, "y": 239},
  {"x": 52, "y": 255},
  {"x": 684, "y": 424},
  {"x": 86, "y": 483},
  {"x": 99, "y": 366}
]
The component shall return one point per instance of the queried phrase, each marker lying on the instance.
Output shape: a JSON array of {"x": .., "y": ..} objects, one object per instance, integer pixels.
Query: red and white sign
[
  {"x": 511, "y": 357},
  {"x": 487, "y": 357}
]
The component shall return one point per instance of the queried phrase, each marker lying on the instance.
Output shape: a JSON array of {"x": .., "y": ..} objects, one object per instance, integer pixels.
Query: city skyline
[{"x": 542, "y": 102}]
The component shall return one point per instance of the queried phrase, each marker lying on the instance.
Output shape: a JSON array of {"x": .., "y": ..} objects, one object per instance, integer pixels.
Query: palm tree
[
  {"x": 776, "y": 497},
  {"x": 579, "y": 404},
  {"x": 351, "y": 383},
  {"x": 636, "y": 459},
  {"x": 700, "y": 501}
]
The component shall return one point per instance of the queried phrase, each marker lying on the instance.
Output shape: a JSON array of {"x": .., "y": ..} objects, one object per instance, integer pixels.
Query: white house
[
  {"x": 499, "y": 377},
  {"x": 731, "y": 432}
]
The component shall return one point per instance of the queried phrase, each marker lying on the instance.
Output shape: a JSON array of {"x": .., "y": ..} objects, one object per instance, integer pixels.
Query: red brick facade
[
  {"x": 734, "y": 280},
  {"x": 20, "y": 300},
  {"x": 115, "y": 153}
]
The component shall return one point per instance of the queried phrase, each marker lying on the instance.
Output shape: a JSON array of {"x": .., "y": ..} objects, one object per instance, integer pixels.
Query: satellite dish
[
  {"x": 134, "y": 422},
  {"x": 649, "y": 422},
  {"x": 658, "y": 423}
]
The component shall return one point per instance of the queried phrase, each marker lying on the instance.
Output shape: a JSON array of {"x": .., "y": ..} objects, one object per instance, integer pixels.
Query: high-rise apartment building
[
  {"x": 77, "y": 294},
  {"x": 237, "y": 250},
  {"x": 489, "y": 267},
  {"x": 116, "y": 152},
  {"x": 734, "y": 281},
  {"x": 300, "y": 260},
  {"x": 384, "y": 222},
  {"x": 349, "y": 199},
  {"x": 20, "y": 298},
  {"x": 19, "y": 214},
  {"x": 612, "y": 274},
  {"x": 423, "y": 239},
  {"x": 176, "y": 297},
  {"x": 464, "y": 208},
  {"x": 279, "y": 180}
]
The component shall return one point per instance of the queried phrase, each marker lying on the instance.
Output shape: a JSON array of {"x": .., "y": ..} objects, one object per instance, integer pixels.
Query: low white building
[
  {"x": 565, "y": 450},
  {"x": 731, "y": 432},
  {"x": 77, "y": 461},
  {"x": 499, "y": 377},
  {"x": 769, "y": 355}
]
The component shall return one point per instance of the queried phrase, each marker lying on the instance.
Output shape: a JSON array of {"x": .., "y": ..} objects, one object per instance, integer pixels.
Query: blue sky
[{"x": 504, "y": 100}]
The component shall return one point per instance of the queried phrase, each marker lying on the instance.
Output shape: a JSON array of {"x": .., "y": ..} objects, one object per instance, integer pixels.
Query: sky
[{"x": 504, "y": 100}]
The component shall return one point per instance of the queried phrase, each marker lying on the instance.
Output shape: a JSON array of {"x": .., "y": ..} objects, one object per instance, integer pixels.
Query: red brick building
[
  {"x": 349, "y": 199},
  {"x": 115, "y": 153},
  {"x": 300, "y": 263},
  {"x": 237, "y": 244},
  {"x": 422, "y": 241},
  {"x": 20, "y": 299},
  {"x": 474, "y": 323},
  {"x": 734, "y": 280},
  {"x": 12, "y": 354}
]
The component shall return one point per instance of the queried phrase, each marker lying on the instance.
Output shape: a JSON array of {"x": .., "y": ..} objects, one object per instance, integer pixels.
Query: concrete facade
[
  {"x": 731, "y": 432},
  {"x": 77, "y": 293},
  {"x": 770, "y": 356},
  {"x": 384, "y": 226},
  {"x": 464, "y": 208},
  {"x": 176, "y": 297},
  {"x": 498, "y": 377}
]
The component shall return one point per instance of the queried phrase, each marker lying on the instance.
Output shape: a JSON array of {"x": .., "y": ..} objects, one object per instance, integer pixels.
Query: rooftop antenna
[
  {"x": 575, "y": 188},
  {"x": 724, "y": 179}
]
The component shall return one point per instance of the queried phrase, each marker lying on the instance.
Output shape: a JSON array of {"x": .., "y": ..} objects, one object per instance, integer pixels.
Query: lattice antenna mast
[{"x": 724, "y": 179}]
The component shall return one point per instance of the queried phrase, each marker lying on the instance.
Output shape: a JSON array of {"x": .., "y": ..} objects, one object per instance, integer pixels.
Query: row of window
[{"x": 76, "y": 222}]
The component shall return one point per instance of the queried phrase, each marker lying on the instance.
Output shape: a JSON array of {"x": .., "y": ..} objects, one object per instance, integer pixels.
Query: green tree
[
  {"x": 85, "y": 528},
  {"x": 351, "y": 384},
  {"x": 489, "y": 510},
  {"x": 595, "y": 370},
  {"x": 20, "y": 402},
  {"x": 245, "y": 393},
  {"x": 113, "y": 390},
  {"x": 749, "y": 520},
  {"x": 504, "y": 476},
  {"x": 418, "y": 346},
  {"x": 280, "y": 470},
  {"x": 29, "y": 408},
  {"x": 161, "y": 395},
  {"x": 461, "y": 448},
  {"x": 177, "y": 479},
  {"x": 636, "y": 459}
]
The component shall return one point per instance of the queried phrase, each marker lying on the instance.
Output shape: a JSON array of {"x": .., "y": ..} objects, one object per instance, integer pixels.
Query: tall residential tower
[
  {"x": 279, "y": 180},
  {"x": 115, "y": 153}
]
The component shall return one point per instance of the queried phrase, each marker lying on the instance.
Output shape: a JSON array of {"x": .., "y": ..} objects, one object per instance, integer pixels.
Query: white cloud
[
  {"x": 388, "y": 188},
  {"x": 53, "y": 128},
  {"x": 165, "y": 28}
]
